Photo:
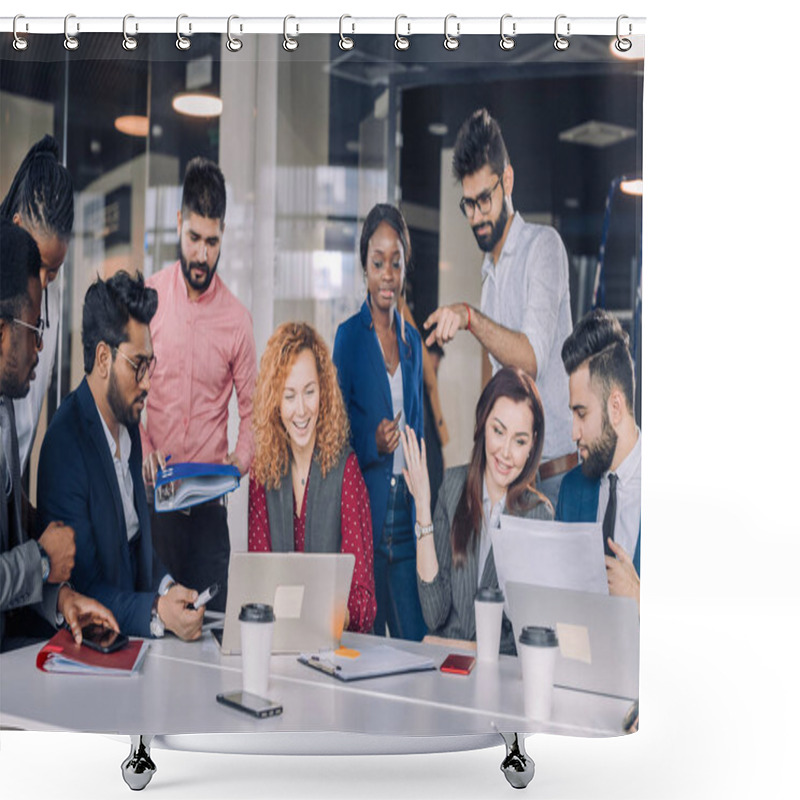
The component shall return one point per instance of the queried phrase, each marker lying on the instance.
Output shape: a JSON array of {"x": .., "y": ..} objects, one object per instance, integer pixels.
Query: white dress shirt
[
  {"x": 629, "y": 498},
  {"x": 124, "y": 477}
]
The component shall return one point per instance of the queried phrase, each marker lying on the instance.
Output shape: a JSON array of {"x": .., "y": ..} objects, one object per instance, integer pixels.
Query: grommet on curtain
[
  {"x": 128, "y": 42},
  {"x": 345, "y": 42},
  {"x": 289, "y": 43},
  {"x": 400, "y": 42},
  {"x": 20, "y": 43},
  {"x": 182, "y": 43},
  {"x": 560, "y": 42},
  {"x": 622, "y": 44},
  {"x": 507, "y": 42},
  {"x": 233, "y": 44},
  {"x": 451, "y": 42},
  {"x": 70, "y": 42}
]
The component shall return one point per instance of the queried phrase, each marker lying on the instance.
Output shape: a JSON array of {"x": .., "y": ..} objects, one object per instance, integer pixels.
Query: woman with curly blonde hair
[{"x": 307, "y": 493}]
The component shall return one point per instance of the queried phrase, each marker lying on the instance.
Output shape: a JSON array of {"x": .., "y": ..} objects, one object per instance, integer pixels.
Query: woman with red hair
[{"x": 303, "y": 462}]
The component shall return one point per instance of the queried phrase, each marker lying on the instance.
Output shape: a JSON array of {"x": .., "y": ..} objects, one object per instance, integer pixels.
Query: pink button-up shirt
[{"x": 203, "y": 348}]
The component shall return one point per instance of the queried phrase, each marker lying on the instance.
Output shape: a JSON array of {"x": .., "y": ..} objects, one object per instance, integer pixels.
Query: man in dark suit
[
  {"x": 90, "y": 470},
  {"x": 32, "y": 573},
  {"x": 606, "y": 486}
]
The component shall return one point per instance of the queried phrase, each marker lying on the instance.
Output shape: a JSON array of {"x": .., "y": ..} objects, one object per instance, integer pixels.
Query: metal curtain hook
[
  {"x": 233, "y": 44},
  {"x": 401, "y": 42},
  {"x": 560, "y": 42},
  {"x": 623, "y": 45},
  {"x": 128, "y": 42},
  {"x": 182, "y": 43},
  {"x": 507, "y": 42},
  {"x": 289, "y": 43},
  {"x": 345, "y": 42},
  {"x": 70, "y": 42},
  {"x": 451, "y": 42},
  {"x": 20, "y": 43}
]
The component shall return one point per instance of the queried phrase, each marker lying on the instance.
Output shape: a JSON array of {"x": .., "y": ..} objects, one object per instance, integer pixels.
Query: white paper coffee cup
[
  {"x": 488, "y": 623},
  {"x": 538, "y": 650},
  {"x": 256, "y": 621}
]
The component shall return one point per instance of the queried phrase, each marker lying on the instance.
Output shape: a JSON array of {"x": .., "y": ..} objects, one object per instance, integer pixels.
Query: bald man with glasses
[{"x": 525, "y": 315}]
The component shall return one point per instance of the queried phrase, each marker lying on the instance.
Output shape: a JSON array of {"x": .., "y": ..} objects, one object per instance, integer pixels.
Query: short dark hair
[
  {"x": 107, "y": 308},
  {"x": 383, "y": 212},
  {"x": 598, "y": 339},
  {"x": 19, "y": 262},
  {"x": 203, "y": 189},
  {"x": 479, "y": 142},
  {"x": 41, "y": 191}
]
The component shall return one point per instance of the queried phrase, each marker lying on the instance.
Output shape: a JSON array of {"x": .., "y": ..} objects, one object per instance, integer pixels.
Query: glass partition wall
[{"x": 308, "y": 142}]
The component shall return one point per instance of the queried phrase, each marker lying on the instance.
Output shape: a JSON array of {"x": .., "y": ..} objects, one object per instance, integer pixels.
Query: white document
[{"x": 558, "y": 555}]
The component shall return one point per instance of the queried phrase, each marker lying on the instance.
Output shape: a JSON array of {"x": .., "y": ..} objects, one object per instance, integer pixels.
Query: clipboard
[{"x": 374, "y": 662}]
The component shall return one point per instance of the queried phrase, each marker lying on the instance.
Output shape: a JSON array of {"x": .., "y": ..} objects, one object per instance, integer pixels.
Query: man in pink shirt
[{"x": 203, "y": 340}]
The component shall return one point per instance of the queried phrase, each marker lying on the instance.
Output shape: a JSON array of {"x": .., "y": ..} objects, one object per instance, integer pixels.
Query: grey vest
[{"x": 323, "y": 510}]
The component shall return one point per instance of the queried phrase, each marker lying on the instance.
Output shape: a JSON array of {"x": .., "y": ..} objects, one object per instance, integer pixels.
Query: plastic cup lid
[
  {"x": 538, "y": 636},
  {"x": 256, "y": 612},
  {"x": 490, "y": 595}
]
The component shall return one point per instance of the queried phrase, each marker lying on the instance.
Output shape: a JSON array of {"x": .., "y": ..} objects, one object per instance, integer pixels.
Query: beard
[
  {"x": 601, "y": 452},
  {"x": 487, "y": 241},
  {"x": 10, "y": 383},
  {"x": 124, "y": 414},
  {"x": 201, "y": 284}
]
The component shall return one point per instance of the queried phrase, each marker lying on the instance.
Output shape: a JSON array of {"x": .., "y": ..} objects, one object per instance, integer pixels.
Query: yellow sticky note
[
  {"x": 347, "y": 652},
  {"x": 573, "y": 641}
]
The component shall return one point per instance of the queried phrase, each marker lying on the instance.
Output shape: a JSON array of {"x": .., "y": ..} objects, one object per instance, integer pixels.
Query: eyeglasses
[
  {"x": 142, "y": 367},
  {"x": 483, "y": 202},
  {"x": 37, "y": 329}
]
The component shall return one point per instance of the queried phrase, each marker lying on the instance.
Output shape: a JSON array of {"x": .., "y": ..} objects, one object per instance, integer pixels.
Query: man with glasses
[
  {"x": 90, "y": 469},
  {"x": 525, "y": 310},
  {"x": 32, "y": 573},
  {"x": 204, "y": 339}
]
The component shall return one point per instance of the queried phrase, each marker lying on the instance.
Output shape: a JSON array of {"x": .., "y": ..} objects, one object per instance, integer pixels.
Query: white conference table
[{"x": 174, "y": 698}]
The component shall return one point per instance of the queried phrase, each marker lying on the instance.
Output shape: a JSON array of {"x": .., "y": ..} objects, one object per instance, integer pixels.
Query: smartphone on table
[
  {"x": 458, "y": 664},
  {"x": 102, "y": 639},
  {"x": 250, "y": 703}
]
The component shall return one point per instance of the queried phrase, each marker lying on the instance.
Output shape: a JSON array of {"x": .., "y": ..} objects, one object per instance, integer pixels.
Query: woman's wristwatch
[{"x": 421, "y": 531}]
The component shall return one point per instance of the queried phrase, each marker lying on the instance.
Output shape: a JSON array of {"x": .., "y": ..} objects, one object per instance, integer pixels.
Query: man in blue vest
[{"x": 606, "y": 486}]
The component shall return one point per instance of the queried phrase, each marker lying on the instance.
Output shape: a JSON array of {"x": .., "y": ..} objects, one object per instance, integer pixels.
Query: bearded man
[
  {"x": 525, "y": 315},
  {"x": 607, "y": 486},
  {"x": 90, "y": 468},
  {"x": 203, "y": 337}
]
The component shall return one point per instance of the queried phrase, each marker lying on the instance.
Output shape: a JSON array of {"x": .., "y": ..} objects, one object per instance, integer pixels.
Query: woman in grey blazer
[{"x": 454, "y": 550}]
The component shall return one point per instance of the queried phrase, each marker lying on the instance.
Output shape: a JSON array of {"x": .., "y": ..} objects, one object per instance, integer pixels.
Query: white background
[{"x": 719, "y": 677}]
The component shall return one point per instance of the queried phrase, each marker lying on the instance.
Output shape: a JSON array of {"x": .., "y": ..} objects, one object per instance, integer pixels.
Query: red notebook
[{"x": 61, "y": 654}]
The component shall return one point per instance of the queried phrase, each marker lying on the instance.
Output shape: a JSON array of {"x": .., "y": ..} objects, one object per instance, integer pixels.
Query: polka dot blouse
[{"x": 356, "y": 538}]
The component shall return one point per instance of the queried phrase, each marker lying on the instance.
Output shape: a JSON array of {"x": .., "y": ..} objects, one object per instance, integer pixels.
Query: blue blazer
[
  {"x": 78, "y": 485},
  {"x": 578, "y": 497},
  {"x": 365, "y": 386}
]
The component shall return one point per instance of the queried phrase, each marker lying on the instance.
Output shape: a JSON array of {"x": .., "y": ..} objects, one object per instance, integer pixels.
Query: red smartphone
[{"x": 458, "y": 664}]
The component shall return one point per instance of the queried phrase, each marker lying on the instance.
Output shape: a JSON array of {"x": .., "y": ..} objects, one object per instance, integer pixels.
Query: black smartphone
[
  {"x": 250, "y": 703},
  {"x": 458, "y": 664},
  {"x": 102, "y": 639}
]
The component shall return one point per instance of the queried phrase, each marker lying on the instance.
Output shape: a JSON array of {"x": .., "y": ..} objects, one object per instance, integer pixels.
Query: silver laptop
[
  {"x": 598, "y": 635},
  {"x": 307, "y": 591}
]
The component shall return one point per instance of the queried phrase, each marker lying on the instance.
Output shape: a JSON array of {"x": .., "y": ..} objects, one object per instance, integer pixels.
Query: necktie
[{"x": 611, "y": 513}]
